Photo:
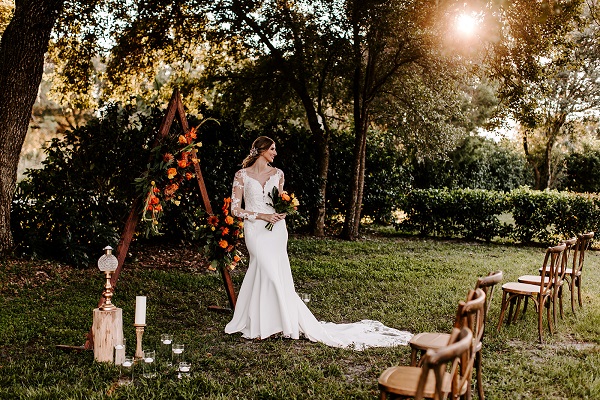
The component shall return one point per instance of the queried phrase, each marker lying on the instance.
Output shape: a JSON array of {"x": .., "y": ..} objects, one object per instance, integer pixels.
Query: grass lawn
[{"x": 407, "y": 283}]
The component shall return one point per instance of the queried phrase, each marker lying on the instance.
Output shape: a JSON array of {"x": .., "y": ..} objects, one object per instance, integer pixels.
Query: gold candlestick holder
[{"x": 139, "y": 333}]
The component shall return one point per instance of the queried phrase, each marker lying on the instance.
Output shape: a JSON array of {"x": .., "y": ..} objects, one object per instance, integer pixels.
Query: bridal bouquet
[
  {"x": 283, "y": 203},
  {"x": 222, "y": 233}
]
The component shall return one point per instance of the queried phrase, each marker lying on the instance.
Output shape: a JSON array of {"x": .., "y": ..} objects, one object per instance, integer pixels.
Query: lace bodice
[{"x": 255, "y": 195}]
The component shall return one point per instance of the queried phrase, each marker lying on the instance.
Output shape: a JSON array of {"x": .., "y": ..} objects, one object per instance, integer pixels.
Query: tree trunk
[
  {"x": 351, "y": 225},
  {"x": 318, "y": 220},
  {"x": 22, "y": 49}
]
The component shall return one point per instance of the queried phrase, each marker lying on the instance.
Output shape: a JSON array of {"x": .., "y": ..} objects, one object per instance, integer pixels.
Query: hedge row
[{"x": 522, "y": 214}]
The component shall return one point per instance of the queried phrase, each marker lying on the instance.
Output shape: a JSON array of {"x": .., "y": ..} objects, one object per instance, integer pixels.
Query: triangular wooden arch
[{"x": 175, "y": 108}]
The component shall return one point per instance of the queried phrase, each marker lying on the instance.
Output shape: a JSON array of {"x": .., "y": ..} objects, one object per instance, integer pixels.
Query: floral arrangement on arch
[
  {"x": 171, "y": 168},
  {"x": 222, "y": 234}
]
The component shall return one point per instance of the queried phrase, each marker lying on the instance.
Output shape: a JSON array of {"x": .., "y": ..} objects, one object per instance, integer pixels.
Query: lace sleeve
[
  {"x": 237, "y": 192},
  {"x": 281, "y": 180}
]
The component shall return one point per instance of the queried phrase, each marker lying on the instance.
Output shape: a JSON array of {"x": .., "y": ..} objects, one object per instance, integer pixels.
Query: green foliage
[
  {"x": 543, "y": 216},
  {"x": 583, "y": 171},
  {"x": 476, "y": 163},
  {"x": 78, "y": 202},
  {"x": 468, "y": 213}
]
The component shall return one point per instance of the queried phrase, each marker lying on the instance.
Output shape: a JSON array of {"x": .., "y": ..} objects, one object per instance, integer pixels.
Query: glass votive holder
[
  {"x": 305, "y": 297},
  {"x": 127, "y": 368},
  {"x": 177, "y": 351},
  {"x": 149, "y": 364},
  {"x": 184, "y": 370},
  {"x": 119, "y": 355},
  {"x": 166, "y": 340}
]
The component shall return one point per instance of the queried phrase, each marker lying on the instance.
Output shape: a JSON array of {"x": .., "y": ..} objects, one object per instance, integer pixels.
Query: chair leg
[
  {"x": 540, "y": 325},
  {"x": 479, "y": 375},
  {"x": 413, "y": 357},
  {"x": 511, "y": 307},
  {"x": 548, "y": 315},
  {"x": 382, "y": 395},
  {"x": 502, "y": 310},
  {"x": 578, "y": 284},
  {"x": 572, "y": 288}
]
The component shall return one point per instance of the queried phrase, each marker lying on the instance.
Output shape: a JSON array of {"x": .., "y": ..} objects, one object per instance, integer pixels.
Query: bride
[{"x": 267, "y": 302}]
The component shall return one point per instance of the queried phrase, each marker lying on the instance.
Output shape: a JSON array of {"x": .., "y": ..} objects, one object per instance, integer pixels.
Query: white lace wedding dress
[{"x": 267, "y": 302}]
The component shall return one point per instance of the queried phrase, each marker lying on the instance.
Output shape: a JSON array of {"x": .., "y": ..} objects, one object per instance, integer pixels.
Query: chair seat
[
  {"x": 568, "y": 271},
  {"x": 523, "y": 288},
  {"x": 403, "y": 380},
  {"x": 533, "y": 279},
  {"x": 429, "y": 340}
]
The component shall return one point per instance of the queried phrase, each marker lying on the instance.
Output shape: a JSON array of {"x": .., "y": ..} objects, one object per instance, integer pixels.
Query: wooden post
[{"x": 107, "y": 331}]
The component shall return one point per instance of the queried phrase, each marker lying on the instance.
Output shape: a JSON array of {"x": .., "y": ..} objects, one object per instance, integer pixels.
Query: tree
[
  {"x": 22, "y": 49},
  {"x": 547, "y": 64},
  {"x": 399, "y": 70}
]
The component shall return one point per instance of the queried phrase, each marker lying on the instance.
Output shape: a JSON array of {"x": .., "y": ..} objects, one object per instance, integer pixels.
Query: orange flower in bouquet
[{"x": 283, "y": 203}]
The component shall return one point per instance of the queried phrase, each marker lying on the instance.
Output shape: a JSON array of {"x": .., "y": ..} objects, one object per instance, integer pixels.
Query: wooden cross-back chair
[
  {"x": 558, "y": 282},
  {"x": 445, "y": 372},
  {"x": 542, "y": 295},
  {"x": 573, "y": 275},
  {"x": 424, "y": 341}
]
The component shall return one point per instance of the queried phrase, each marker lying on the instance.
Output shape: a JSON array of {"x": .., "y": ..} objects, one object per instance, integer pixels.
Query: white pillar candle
[{"x": 140, "y": 310}]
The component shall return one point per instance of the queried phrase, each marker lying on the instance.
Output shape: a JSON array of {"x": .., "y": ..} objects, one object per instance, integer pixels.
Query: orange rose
[
  {"x": 223, "y": 244},
  {"x": 229, "y": 220},
  {"x": 285, "y": 196},
  {"x": 182, "y": 163},
  {"x": 171, "y": 172}
]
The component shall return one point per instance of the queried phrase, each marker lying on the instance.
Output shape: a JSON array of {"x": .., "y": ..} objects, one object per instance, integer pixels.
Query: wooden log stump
[{"x": 107, "y": 331}]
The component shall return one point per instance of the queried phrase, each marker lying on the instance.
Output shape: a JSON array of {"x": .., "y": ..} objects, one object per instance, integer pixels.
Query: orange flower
[
  {"x": 225, "y": 212},
  {"x": 285, "y": 196},
  {"x": 182, "y": 140},
  {"x": 192, "y": 132},
  {"x": 213, "y": 220},
  {"x": 171, "y": 173},
  {"x": 223, "y": 244},
  {"x": 154, "y": 199},
  {"x": 229, "y": 220},
  {"x": 168, "y": 157},
  {"x": 189, "y": 175},
  {"x": 225, "y": 231},
  {"x": 236, "y": 258},
  {"x": 171, "y": 189},
  {"x": 182, "y": 163},
  {"x": 150, "y": 207},
  {"x": 155, "y": 189},
  {"x": 226, "y": 202},
  {"x": 158, "y": 207}
]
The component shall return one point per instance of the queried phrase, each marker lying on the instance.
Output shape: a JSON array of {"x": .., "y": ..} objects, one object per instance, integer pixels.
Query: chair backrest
[
  {"x": 571, "y": 248},
  {"x": 487, "y": 284},
  {"x": 584, "y": 240},
  {"x": 553, "y": 260},
  {"x": 459, "y": 349}
]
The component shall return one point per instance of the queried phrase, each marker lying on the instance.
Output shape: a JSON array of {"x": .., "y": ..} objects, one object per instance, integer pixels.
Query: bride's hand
[{"x": 272, "y": 218}]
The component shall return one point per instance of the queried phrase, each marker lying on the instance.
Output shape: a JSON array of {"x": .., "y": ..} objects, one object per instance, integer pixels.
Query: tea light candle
[{"x": 140, "y": 310}]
